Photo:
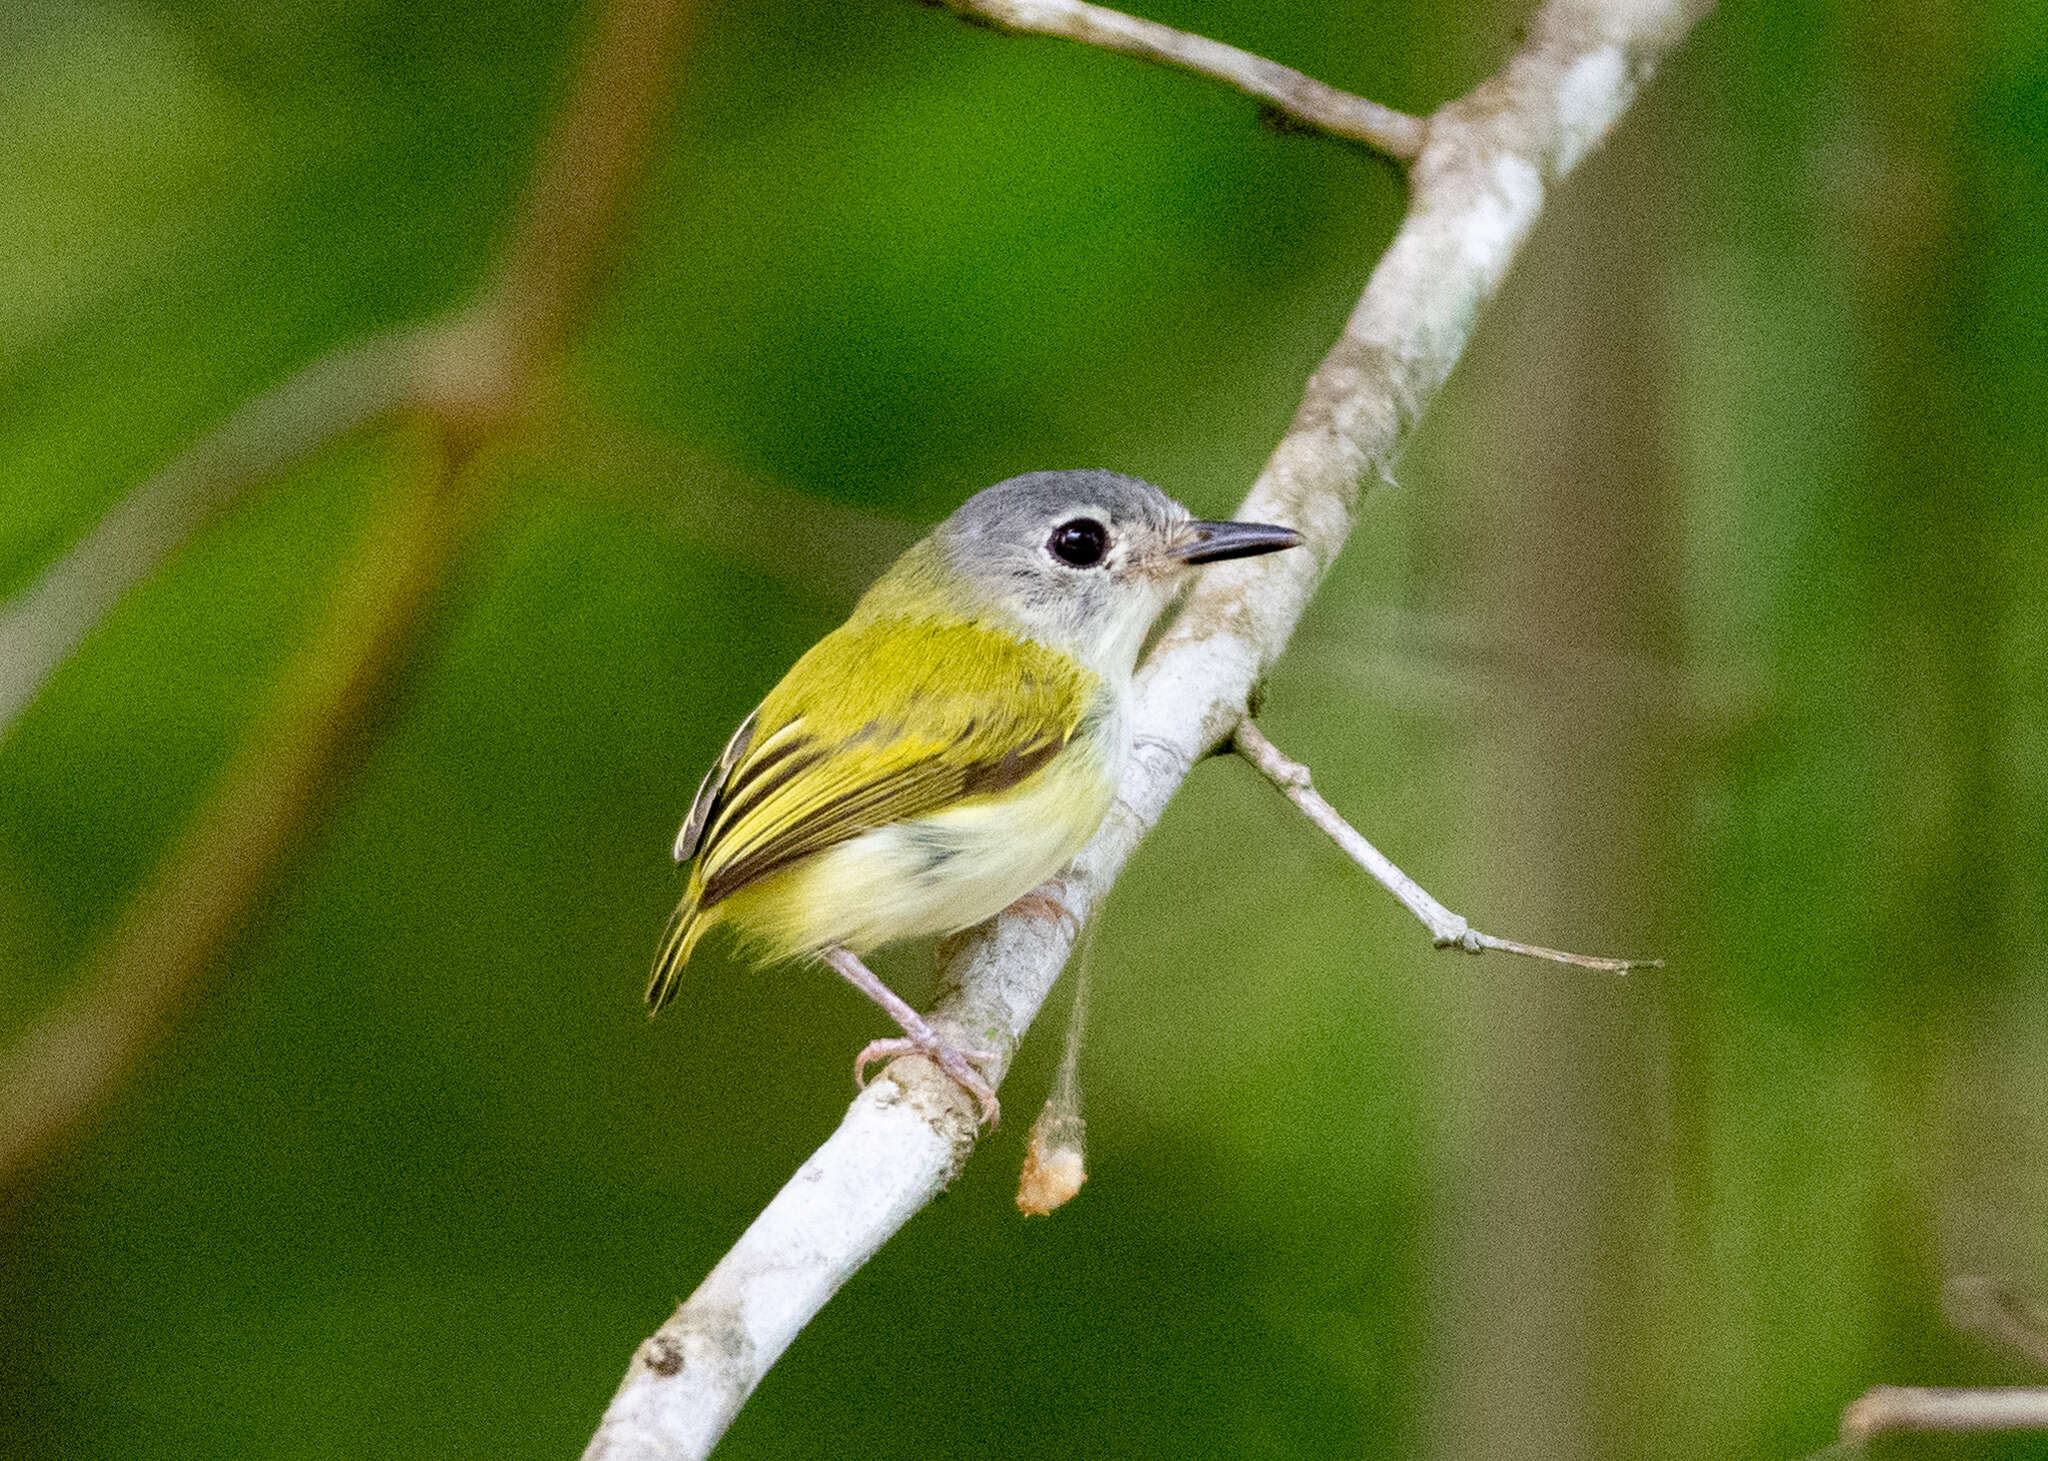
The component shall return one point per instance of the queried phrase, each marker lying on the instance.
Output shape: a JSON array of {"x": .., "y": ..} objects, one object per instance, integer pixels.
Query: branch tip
[
  {"x": 1447, "y": 930},
  {"x": 1288, "y": 100}
]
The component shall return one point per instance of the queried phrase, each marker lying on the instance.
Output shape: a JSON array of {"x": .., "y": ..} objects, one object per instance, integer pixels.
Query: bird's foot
[
  {"x": 923, "y": 1039},
  {"x": 954, "y": 1062}
]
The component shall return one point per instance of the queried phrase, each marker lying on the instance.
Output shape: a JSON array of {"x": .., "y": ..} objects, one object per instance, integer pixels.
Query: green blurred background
[{"x": 1706, "y": 620}]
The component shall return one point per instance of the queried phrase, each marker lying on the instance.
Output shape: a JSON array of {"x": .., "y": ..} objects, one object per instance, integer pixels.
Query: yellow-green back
[{"x": 896, "y": 715}]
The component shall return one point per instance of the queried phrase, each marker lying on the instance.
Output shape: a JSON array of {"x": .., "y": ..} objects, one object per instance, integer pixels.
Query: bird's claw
[{"x": 953, "y": 1062}]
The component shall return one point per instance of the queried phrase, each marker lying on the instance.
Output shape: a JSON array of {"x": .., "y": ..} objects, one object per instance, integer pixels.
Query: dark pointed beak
[{"x": 1213, "y": 542}]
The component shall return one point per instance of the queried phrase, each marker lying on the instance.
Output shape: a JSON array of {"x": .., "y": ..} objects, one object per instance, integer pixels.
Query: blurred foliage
[{"x": 414, "y": 1176}]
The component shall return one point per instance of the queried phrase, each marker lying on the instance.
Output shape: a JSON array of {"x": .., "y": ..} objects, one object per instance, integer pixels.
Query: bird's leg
[{"x": 923, "y": 1039}]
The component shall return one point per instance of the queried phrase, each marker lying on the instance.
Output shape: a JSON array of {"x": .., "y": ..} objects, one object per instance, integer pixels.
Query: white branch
[
  {"x": 1289, "y": 93},
  {"x": 1447, "y": 930},
  {"x": 1884, "y": 1409},
  {"x": 1478, "y": 186}
]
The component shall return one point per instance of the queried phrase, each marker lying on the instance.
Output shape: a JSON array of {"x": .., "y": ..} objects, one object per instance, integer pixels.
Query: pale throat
[{"x": 1104, "y": 636}]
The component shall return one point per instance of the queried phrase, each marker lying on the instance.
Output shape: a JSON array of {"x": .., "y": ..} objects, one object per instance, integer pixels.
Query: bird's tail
[{"x": 685, "y": 926}]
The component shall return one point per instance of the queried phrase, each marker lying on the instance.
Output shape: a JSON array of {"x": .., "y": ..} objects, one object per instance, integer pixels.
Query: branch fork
[
  {"x": 1480, "y": 169},
  {"x": 471, "y": 378}
]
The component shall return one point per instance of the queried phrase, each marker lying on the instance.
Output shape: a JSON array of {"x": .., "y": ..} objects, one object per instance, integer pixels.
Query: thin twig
[
  {"x": 1447, "y": 930},
  {"x": 1288, "y": 93},
  {"x": 1888, "y": 1408},
  {"x": 1477, "y": 188},
  {"x": 469, "y": 380}
]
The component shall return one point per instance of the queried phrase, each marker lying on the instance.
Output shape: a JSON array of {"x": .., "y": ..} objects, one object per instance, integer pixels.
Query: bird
[{"x": 948, "y": 748}]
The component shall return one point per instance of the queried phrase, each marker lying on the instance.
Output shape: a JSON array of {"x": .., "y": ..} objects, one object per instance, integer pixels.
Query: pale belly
[{"x": 940, "y": 873}]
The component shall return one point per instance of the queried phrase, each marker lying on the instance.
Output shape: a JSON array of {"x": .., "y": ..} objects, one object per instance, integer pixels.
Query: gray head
[{"x": 1086, "y": 561}]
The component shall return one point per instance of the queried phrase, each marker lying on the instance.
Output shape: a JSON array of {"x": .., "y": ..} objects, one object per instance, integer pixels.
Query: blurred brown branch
[
  {"x": 1284, "y": 92},
  {"x": 1447, "y": 930},
  {"x": 189, "y": 908},
  {"x": 336, "y": 396},
  {"x": 469, "y": 380},
  {"x": 482, "y": 371}
]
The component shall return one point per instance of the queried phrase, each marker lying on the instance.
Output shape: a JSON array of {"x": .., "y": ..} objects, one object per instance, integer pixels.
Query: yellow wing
[{"x": 885, "y": 720}]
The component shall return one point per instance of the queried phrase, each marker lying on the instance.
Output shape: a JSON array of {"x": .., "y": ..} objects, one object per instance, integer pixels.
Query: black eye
[{"x": 1080, "y": 542}]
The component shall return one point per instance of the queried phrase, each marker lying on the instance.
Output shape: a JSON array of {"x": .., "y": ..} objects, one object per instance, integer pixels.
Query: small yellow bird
[{"x": 949, "y": 747}]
